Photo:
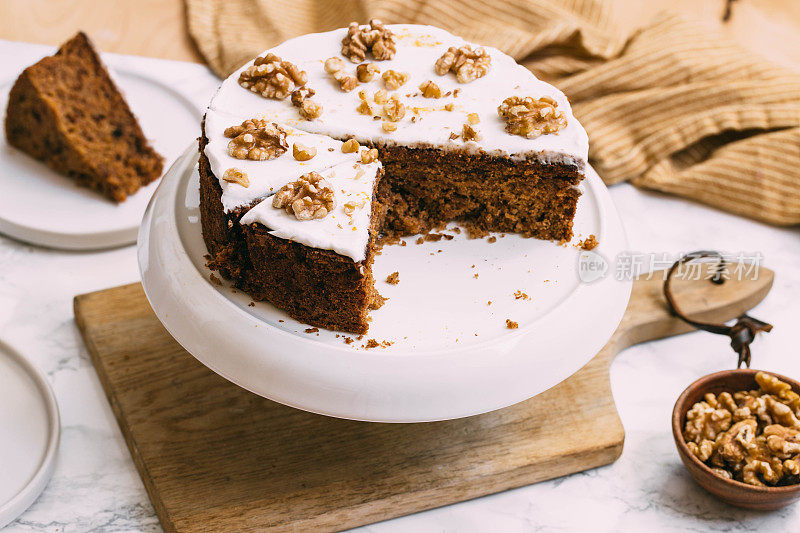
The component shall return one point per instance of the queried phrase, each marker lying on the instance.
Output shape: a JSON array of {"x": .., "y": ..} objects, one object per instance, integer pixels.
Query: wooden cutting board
[{"x": 215, "y": 457}]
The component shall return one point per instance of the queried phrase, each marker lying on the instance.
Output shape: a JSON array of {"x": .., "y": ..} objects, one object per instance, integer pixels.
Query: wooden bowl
[{"x": 730, "y": 491}]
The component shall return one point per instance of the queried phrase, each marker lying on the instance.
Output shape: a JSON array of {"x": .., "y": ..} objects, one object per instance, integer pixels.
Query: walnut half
[
  {"x": 375, "y": 38},
  {"x": 271, "y": 77},
  {"x": 309, "y": 197},
  {"x": 256, "y": 140},
  {"x": 531, "y": 117},
  {"x": 467, "y": 64}
]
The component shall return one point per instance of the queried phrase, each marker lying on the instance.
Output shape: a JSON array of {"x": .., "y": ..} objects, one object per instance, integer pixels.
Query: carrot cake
[
  {"x": 409, "y": 127},
  {"x": 66, "y": 110}
]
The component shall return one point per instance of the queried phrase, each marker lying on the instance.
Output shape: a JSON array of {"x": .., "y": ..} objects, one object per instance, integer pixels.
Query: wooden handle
[{"x": 648, "y": 317}]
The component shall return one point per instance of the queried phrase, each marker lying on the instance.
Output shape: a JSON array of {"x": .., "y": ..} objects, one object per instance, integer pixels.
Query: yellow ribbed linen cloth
[{"x": 674, "y": 107}]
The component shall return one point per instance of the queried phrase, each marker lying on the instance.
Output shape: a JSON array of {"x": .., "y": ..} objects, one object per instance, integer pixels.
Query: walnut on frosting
[
  {"x": 375, "y": 38},
  {"x": 235, "y": 175},
  {"x": 302, "y": 152},
  {"x": 430, "y": 90},
  {"x": 380, "y": 96},
  {"x": 256, "y": 140},
  {"x": 467, "y": 64},
  {"x": 366, "y": 72},
  {"x": 309, "y": 197},
  {"x": 393, "y": 79},
  {"x": 271, "y": 77},
  {"x": 333, "y": 64},
  {"x": 394, "y": 110},
  {"x": 301, "y": 99},
  {"x": 469, "y": 133},
  {"x": 350, "y": 146},
  {"x": 369, "y": 155},
  {"x": 531, "y": 117},
  {"x": 300, "y": 95},
  {"x": 335, "y": 67},
  {"x": 347, "y": 82},
  {"x": 310, "y": 110},
  {"x": 365, "y": 108}
]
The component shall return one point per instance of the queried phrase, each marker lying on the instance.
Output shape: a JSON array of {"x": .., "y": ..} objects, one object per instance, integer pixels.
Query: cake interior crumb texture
[
  {"x": 66, "y": 111},
  {"x": 425, "y": 188}
]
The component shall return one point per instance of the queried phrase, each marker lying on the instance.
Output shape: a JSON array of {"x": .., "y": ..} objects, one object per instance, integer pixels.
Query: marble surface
[{"x": 96, "y": 487}]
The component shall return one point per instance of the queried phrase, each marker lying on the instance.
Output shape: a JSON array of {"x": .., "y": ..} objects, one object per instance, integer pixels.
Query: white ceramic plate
[
  {"x": 43, "y": 207},
  {"x": 452, "y": 354},
  {"x": 29, "y": 433}
]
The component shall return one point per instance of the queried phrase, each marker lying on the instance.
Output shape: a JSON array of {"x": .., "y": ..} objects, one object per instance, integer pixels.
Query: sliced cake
[
  {"x": 66, "y": 110},
  {"x": 463, "y": 133},
  {"x": 292, "y": 220}
]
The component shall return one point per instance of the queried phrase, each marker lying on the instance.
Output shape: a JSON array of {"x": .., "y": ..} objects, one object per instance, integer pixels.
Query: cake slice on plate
[{"x": 66, "y": 110}]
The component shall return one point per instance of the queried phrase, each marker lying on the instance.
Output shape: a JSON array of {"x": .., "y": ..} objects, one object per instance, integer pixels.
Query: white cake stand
[{"x": 451, "y": 354}]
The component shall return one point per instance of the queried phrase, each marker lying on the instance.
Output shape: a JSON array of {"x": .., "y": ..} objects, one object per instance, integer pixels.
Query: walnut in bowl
[{"x": 737, "y": 433}]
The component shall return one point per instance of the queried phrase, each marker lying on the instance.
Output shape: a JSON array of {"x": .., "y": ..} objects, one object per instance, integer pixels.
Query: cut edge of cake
[{"x": 319, "y": 287}]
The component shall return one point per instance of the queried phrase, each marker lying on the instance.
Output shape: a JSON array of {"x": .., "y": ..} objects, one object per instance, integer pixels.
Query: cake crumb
[
  {"x": 372, "y": 343},
  {"x": 251, "y": 304},
  {"x": 475, "y": 275},
  {"x": 589, "y": 243},
  {"x": 519, "y": 295},
  {"x": 348, "y": 340},
  {"x": 489, "y": 302},
  {"x": 393, "y": 278},
  {"x": 420, "y": 240},
  {"x": 377, "y": 301},
  {"x": 280, "y": 320},
  {"x": 492, "y": 239},
  {"x": 456, "y": 230},
  {"x": 433, "y": 237},
  {"x": 311, "y": 330},
  {"x": 474, "y": 232},
  {"x": 510, "y": 324},
  {"x": 214, "y": 279}
]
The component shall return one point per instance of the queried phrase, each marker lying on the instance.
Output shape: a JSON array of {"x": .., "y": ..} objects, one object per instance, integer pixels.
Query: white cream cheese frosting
[
  {"x": 418, "y": 48},
  {"x": 345, "y": 230},
  {"x": 266, "y": 177}
]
